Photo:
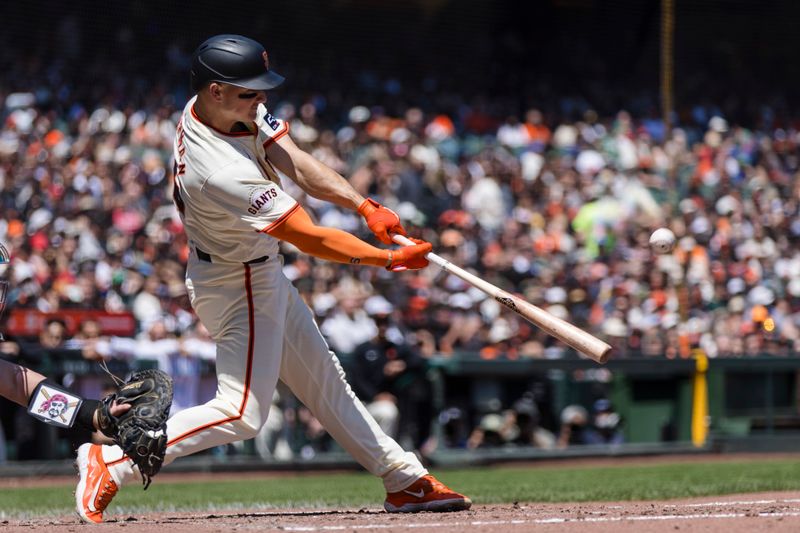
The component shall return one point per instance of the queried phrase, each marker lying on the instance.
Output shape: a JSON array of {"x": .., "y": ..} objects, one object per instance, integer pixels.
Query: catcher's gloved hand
[{"x": 141, "y": 432}]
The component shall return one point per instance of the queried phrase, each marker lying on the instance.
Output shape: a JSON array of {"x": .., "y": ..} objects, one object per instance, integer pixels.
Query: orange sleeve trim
[
  {"x": 281, "y": 219},
  {"x": 277, "y": 136}
]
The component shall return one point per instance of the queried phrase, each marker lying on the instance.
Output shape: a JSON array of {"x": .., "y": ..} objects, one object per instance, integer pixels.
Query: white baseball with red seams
[
  {"x": 229, "y": 194},
  {"x": 662, "y": 241}
]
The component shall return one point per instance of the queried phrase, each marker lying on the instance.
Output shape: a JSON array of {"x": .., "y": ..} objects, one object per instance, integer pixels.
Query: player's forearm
[
  {"x": 328, "y": 243},
  {"x": 17, "y": 382},
  {"x": 339, "y": 246},
  {"x": 320, "y": 181}
]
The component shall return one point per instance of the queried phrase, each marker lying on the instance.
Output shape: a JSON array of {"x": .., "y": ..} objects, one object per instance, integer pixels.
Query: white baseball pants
[{"x": 264, "y": 331}]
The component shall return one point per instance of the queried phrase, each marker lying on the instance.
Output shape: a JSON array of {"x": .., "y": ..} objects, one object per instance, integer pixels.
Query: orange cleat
[
  {"x": 426, "y": 494},
  {"x": 95, "y": 487}
]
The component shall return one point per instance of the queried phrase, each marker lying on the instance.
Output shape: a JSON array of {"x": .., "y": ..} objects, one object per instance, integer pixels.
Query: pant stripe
[
  {"x": 248, "y": 372},
  {"x": 247, "y": 376}
]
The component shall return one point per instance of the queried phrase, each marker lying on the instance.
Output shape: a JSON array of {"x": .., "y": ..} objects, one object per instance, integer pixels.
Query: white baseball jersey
[
  {"x": 226, "y": 190},
  {"x": 229, "y": 195}
]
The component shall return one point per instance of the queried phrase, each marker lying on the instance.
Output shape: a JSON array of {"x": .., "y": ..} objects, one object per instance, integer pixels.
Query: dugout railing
[{"x": 723, "y": 403}]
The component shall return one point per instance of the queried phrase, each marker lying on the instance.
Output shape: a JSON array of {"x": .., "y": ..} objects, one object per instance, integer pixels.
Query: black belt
[{"x": 202, "y": 256}]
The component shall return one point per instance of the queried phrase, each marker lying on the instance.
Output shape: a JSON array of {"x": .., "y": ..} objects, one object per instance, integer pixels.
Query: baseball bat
[{"x": 587, "y": 344}]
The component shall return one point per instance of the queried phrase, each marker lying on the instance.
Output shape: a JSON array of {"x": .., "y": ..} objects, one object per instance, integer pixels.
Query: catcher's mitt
[{"x": 141, "y": 431}]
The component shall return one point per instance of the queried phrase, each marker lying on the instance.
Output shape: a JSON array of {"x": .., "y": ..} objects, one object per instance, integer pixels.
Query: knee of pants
[{"x": 249, "y": 422}]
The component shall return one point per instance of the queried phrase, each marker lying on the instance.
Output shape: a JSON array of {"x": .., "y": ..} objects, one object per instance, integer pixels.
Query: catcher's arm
[
  {"x": 50, "y": 402},
  {"x": 17, "y": 382}
]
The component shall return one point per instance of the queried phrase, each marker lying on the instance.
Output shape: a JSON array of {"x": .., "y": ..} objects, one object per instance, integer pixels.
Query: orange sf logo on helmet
[{"x": 266, "y": 59}]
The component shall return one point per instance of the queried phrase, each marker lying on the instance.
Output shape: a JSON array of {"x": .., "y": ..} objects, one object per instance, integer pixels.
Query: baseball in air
[{"x": 662, "y": 241}]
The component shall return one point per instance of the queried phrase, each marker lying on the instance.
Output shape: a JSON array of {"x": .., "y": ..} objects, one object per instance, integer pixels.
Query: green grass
[{"x": 484, "y": 485}]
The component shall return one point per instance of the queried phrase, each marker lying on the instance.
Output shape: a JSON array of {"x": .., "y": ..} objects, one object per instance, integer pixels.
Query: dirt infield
[{"x": 774, "y": 512}]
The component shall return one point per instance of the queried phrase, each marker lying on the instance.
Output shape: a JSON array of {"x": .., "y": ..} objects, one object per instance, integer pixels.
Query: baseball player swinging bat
[{"x": 573, "y": 336}]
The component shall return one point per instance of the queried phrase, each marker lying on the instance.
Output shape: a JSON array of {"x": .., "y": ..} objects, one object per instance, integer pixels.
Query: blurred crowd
[
  {"x": 558, "y": 212},
  {"x": 553, "y": 203}
]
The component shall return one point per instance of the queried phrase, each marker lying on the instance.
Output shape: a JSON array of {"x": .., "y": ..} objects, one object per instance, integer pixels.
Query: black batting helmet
[{"x": 233, "y": 59}]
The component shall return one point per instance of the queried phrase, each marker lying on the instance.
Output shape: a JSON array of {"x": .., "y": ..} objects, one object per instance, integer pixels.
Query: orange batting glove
[
  {"x": 381, "y": 220},
  {"x": 409, "y": 257}
]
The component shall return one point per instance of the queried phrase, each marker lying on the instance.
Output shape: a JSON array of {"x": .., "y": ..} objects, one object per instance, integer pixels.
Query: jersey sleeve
[
  {"x": 270, "y": 128},
  {"x": 240, "y": 190}
]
